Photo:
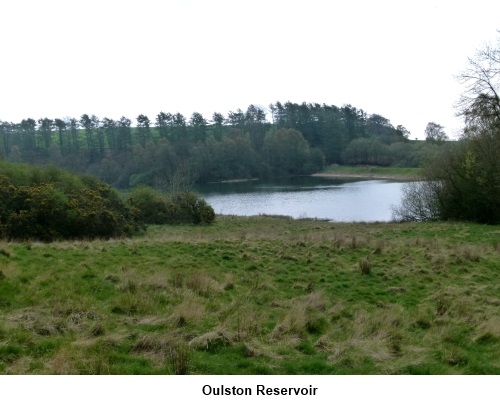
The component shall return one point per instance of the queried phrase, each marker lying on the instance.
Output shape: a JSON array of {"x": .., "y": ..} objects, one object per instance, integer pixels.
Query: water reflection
[{"x": 334, "y": 199}]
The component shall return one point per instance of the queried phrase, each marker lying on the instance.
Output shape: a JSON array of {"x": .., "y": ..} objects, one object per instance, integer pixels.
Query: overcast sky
[{"x": 113, "y": 58}]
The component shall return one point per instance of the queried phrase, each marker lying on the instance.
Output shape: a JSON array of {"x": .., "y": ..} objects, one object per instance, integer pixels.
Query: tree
[
  {"x": 465, "y": 180},
  {"x": 143, "y": 124},
  {"x": 86, "y": 123},
  {"x": 218, "y": 120},
  {"x": 124, "y": 140},
  {"x": 73, "y": 130},
  {"x": 162, "y": 123},
  {"x": 198, "y": 124},
  {"x": 96, "y": 123},
  {"x": 378, "y": 125},
  {"x": 45, "y": 128},
  {"x": 435, "y": 133},
  {"x": 419, "y": 202},
  {"x": 286, "y": 151},
  {"x": 236, "y": 119},
  {"x": 61, "y": 126},
  {"x": 178, "y": 127},
  {"x": 354, "y": 121},
  {"x": 403, "y": 132},
  {"x": 109, "y": 128},
  {"x": 5, "y": 132},
  {"x": 28, "y": 131},
  {"x": 255, "y": 119},
  {"x": 480, "y": 101}
]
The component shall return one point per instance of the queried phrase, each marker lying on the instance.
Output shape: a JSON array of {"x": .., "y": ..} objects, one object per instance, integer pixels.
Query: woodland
[{"x": 171, "y": 151}]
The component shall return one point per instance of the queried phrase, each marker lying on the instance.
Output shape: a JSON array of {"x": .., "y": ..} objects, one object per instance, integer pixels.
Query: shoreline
[
  {"x": 367, "y": 176},
  {"x": 232, "y": 181}
]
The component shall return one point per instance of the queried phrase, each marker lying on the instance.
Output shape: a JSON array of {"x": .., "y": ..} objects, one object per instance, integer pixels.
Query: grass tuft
[
  {"x": 5, "y": 252},
  {"x": 365, "y": 266}
]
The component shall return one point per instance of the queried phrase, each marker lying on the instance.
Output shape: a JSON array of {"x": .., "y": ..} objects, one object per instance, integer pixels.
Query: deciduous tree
[{"x": 435, "y": 133}]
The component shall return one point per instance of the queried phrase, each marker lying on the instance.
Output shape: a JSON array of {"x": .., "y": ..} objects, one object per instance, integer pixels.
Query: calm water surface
[{"x": 312, "y": 197}]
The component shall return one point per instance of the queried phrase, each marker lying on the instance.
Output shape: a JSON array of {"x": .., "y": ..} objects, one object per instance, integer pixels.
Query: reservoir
[{"x": 340, "y": 200}]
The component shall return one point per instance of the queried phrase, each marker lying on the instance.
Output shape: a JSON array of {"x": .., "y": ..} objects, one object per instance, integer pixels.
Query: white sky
[{"x": 113, "y": 58}]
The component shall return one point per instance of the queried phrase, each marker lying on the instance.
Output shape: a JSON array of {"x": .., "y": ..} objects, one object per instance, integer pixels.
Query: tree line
[{"x": 287, "y": 139}]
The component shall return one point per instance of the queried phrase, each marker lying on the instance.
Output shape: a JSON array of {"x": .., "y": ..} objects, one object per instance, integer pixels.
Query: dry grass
[
  {"x": 212, "y": 341},
  {"x": 5, "y": 252},
  {"x": 467, "y": 253},
  {"x": 365, "y": 266},
  {"x": 255, "y": 295},
  {"x": 190, "y": 310},
  {"x": 304, "y": 316},
  {"x": 203, "y": 284}
]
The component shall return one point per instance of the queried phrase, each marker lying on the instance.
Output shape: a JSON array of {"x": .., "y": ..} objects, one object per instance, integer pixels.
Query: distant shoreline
[
  {"x": 233, "y": 181},
  {"x": 339, "y": 175},
  {"x": 369, "y": 172},
  {"x": 367, "y": 176}
]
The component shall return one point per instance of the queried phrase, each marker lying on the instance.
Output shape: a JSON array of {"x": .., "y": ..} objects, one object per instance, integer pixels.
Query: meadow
[
  {"x": 256, "y": 295},
  {"x": 367, "y": 171}
]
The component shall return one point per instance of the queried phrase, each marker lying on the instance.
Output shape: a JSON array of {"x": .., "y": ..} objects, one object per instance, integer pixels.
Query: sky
[{"x": 398, "y": 59}]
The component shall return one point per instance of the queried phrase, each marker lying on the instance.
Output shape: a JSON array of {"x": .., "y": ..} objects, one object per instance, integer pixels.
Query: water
[{"x": 307, "y": 197}]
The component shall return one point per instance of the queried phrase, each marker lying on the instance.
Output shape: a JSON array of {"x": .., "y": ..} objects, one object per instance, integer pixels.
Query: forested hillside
[{"x": 173, "y": 151}]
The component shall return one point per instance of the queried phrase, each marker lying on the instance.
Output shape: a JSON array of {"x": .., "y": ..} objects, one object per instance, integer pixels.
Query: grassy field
[
  {"x": 402, "y": 173},
  {"x": 257, "y": 295}
]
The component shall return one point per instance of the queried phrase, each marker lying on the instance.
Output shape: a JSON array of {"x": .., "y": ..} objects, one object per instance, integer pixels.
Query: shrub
[
  {"x": 69, "y": 207},
  {"x": 193, "y": 209},
  {"x": 182, "y": 207}
]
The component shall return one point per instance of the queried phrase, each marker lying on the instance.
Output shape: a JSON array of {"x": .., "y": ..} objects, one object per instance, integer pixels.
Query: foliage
[
  {"x": 287, "y": 153},
  {"x": 435, "y": 133},
  {"x": 240, "y": 144},
  {"x": 50, "y": 204},
  {"x": 368, "y": 152},
  {"x": 180, "y": 207},
  {"x": 470, "y": 179}
]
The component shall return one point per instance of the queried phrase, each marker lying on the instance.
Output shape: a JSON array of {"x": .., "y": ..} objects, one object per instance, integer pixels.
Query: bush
[
  {"x": 50, "y": 204},
  {"x": 151, "y": 206},
  {"x": 193, "y": 209},
  {"x": 462, "y": 183},
  {"x": 470, "y": 178},
  {"x": 182, "y": 207},
  {"x": 100, "y": 213}
]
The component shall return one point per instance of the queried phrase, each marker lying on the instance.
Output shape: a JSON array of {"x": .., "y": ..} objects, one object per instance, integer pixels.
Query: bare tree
[
  {"x": 463, "y": 183},
  {"x": 480, "y": 101},
  {"x": 419, "y": 203},
  {"x": 176, "y": 180}
]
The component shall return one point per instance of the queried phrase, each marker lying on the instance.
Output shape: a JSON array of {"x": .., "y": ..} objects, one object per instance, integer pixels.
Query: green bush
[
  {"x": 193, "y": 209},
  {"x": 182, "y": 207},
  {"x": 49, "y": 204},
  {"x": 151, "y": 206}
]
